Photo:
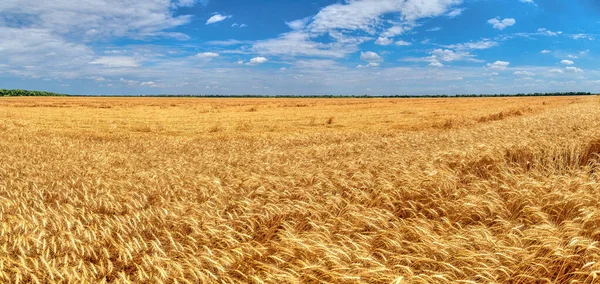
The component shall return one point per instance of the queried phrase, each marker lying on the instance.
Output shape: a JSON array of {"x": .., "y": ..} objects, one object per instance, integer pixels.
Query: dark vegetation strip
[
  {"x": 28, "y": 93},
  {"x": 557, "y": 94}
]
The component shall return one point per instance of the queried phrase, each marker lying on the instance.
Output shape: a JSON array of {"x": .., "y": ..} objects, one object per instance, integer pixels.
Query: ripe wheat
[{"x": 300, "y": 190}]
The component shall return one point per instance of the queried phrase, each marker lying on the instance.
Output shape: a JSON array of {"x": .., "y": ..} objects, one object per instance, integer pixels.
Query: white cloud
[
  {"x": 557, "y": 71},
  {"x": 573, "y": 69},
  {"x": 498, "y": 65},
  {"x": 257, "y": 61},
  {"x": 384, "y": 41},
  {"x": 403, "y": 43},
  {"x": 152, "y": 84},
  {"x": 371, "y": 64},
  {"x": 365, "y": 15},
  {"x": 98, "y": 18},
  {"x": 545, "y": 51},
  {"x": 349, "y": 24},
  {"x": 217, "y": 18},
  {"x": 395, "y": 30},
  {"x": 417, "y": 9},
  {"x": 454, "y": 13},
  {"x": 527, "y": 1},
  {"x": 482, "y": 44},
  {"x": 582, "y": 36},
  {"x": 129, "y": 82},
  {"x": 547, "y": 32},
  {"x": 39, "y": 47},
  {"x": 449, "y": 55},
  {"x": 299, "y": 43},
  {"x": 243, "y": 26},
  {"x": 116, "y": 61},
  {"x": 298, "y": 24},
  {"x": 567, "y": 62},
  {"x": 524, "y": 73},
  {"x": 207, "y": 55},
  {"x": 501, "y": 24},
  {"x": 370, "y": 56},
  {"x": 436, "y": 64}
]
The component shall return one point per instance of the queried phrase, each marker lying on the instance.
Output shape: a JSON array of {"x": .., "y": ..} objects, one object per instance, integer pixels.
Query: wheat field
[{"x": 184, "y": 190}]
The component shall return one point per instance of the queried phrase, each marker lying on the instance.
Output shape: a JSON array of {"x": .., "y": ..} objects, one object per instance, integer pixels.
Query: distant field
[{"x": 471, "y": 190}]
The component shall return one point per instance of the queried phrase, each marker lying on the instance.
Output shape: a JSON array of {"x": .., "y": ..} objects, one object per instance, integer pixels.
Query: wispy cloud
[{"x": 217, "y": 18}]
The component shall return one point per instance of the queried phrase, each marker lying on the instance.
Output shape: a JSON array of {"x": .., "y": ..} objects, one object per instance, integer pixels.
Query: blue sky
[{"x": 355, "y": 47}]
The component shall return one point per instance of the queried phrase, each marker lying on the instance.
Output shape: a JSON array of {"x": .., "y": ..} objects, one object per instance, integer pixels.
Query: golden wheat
[{"x": 160, "y": 190}]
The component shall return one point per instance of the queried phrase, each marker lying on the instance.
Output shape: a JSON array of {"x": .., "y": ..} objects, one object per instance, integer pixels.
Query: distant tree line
[
  {"x": 26, "y": 93},
  {"x": 375, "y": 96}
]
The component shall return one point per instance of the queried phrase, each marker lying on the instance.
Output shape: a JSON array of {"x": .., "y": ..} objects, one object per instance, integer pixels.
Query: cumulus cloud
[
  {"x": 365, "y": 15},
  {"x": 217, "y": 18},
  {"x": 545, "y": 51},
  {"x": 567, "y": 62},
  {"x": 370, "y": 56},
  {"x": 349, "y": 24},
  {"x": 449, "y": 55},
  {"x": 257, "y": 61},
  {"x": 556, "y": 71},
  {"x": 384, "y": 41},
  {"x": 573, "y": 69},
  {"x": 403, "y": 43},
  {"x": 446, "y": 55},
  {"x": 501, "y": 24},
  {"x": 436, "y": 64},
  {"x": 498, "y": 65}
]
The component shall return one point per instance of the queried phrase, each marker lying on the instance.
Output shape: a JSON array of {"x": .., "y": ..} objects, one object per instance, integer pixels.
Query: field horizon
[
  {"x": 36, "y": 93},
  {"x": 300, "y": 190}
]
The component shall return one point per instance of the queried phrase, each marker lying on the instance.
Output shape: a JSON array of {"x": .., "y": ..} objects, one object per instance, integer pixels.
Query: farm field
[{"x": 198, "y": 190}]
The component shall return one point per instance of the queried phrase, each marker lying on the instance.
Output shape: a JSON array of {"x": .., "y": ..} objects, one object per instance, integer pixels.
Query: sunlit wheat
[{"x": 151, "y": 190}]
